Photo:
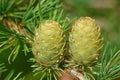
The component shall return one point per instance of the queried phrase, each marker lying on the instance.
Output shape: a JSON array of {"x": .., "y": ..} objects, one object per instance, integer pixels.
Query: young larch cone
[
  {"x": 85, "y": 41},
  {"x": 48, "y": 43}
]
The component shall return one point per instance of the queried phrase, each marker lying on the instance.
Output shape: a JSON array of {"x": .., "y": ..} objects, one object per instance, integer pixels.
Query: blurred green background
[{"x": 106, "y": 13}]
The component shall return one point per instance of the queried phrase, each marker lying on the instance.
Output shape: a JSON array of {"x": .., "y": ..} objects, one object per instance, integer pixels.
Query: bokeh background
[{"x": 106, "y": 13}]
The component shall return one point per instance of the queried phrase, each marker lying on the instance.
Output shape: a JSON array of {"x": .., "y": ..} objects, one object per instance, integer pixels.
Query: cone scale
[{"x": 85, "y": 41}]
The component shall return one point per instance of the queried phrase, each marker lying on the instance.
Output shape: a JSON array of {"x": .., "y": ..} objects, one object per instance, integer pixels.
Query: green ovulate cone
[
  {"x": 48, "y": 43},
  {"x": 85, "y": 41}
]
